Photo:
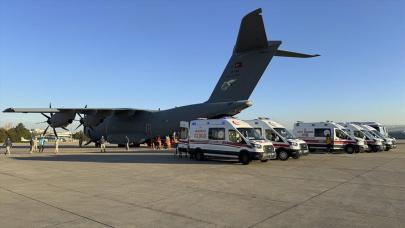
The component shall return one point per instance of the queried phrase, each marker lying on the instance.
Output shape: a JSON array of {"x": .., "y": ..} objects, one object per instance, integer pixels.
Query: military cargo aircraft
[{"x": 251, "y": 55}]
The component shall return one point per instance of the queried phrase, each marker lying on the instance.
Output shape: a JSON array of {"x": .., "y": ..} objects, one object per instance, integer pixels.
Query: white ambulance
[
  {"x": 374, "y": 144},
  {"x": 388, "y": 141},
  {"x": 314, "y": 134},
  {"x": 226, "y": 137},
  {"x": 391, "y": 142},
  {"x": 285, "y": 143}
]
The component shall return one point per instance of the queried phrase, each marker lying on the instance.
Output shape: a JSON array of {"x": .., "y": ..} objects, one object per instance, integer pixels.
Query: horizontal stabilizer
[{"x": 293, "y": 54}]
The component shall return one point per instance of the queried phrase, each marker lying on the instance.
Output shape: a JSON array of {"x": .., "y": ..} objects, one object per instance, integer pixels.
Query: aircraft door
[{"x": 184, "y": 128}]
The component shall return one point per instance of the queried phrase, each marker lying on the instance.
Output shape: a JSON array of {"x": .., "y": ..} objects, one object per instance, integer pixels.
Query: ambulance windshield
[
  {"x": 377, "y": 133},
  {"x": 285, "y": 133},
  {"x": 369, "y": 136},
  {"x": 250, "y": 133},
  {"x": 358, "y": 134}
]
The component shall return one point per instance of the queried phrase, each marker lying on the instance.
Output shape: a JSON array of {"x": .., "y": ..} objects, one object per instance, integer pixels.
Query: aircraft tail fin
[
  {"x": 252, "y": 34},
  {"x": 251, "y": 56}
]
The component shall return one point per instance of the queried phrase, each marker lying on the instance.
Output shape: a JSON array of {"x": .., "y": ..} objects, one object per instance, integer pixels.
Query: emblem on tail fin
[{"x": 227, "y": 84}]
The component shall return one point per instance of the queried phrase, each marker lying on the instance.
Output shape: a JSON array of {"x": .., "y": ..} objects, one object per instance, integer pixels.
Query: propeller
[
  {"x": 90, "y": 141},
  {"x": 48, "y": 121},
  {"x": 81, "y": 119}
]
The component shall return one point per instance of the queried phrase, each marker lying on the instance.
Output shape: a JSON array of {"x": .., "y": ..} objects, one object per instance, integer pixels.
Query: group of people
[
  {"x": 167, "y": 143},
  {"x": 41, "y": 141},
  {"x": 36, "y": 145}
]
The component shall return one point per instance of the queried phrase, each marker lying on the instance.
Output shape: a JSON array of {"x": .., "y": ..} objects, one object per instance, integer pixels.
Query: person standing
[
  {"x": 152, "y": 143},
  {"x": 35, "y": 147},
  {"x": 41, "y": 144},
  {"x": 167, "y": 142},
  {"x": 158, "y": 142},
  {"x": 56, "y": 145},
  {"x": 81, "y": 141},
  {"x": 8, "y": 144},
  {"x": 328, "y": 143},
  {"x": 127, "y": 143},
  {"x": 31, "y": 145},
  {"x": 102, "y": 144}
]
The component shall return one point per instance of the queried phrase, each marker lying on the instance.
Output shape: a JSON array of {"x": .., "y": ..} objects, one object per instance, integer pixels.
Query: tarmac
[{"x": 81, "y": 187}]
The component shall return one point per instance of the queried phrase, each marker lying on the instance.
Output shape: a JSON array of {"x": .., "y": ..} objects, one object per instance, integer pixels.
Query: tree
[
  {"x": 12, "y": 134},
  {"x": 79, "y": 135},
  {"x": 3, "y": 135},
  {"x": 22, "y": 131},
  {"x": 17, "y": 132}
]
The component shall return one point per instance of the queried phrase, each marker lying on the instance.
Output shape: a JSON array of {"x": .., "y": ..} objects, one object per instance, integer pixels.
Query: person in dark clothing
[
  {"x": 81, "y": 141},
  {"x": 328, "y": 143},
  {"x": 8, "y": 144}
]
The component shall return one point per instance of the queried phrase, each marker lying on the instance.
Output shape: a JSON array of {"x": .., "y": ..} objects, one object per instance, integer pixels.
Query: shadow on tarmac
[{"x": 124, "y": 158}]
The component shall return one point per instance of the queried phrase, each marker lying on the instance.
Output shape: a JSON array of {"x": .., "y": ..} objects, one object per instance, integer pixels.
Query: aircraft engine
[
  {"x": 90, "y": 120},
  {"x": 60, "y": 119}
]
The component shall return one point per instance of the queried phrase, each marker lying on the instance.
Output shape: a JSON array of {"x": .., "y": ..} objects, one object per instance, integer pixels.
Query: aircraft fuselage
[{"x": 142, "y": 126}]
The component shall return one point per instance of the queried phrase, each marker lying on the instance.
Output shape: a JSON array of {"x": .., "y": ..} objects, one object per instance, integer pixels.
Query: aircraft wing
[{"x": 107, "y": 111}]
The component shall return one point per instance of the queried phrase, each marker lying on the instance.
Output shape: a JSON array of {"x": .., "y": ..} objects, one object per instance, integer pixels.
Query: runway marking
[
  {"x": 50, "y": 205},
  {"x": 102, "y": 197},
  {"x": 321, "y": 193}
]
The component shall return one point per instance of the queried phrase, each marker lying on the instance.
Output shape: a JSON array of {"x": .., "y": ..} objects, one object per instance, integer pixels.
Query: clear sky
[{"x": 161, "y": 54}]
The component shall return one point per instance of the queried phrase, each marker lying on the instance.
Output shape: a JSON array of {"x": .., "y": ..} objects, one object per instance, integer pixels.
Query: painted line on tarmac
[
  {"x": 321, "y": 193},
  {"x": 50, "y": 205}
]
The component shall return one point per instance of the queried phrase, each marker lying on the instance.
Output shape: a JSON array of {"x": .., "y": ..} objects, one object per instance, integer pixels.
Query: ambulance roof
[
  {"x": 354, "y": 126},
  {"x": 221, "y": 122},
  {"x": 265, "y": 121},
  {"x": 318, "y": 124},
  {"x": 368, "y": 123},
  {"x": 367, "y": 127}
]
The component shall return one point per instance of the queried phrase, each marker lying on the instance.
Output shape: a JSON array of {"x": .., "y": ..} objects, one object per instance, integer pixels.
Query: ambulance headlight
[
  {"x": 258, "y": 146},
  {"x": 293, "y": 143}
]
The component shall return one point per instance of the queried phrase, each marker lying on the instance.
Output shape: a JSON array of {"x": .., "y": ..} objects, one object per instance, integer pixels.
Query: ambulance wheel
[
  {"x": 349, "y": 149},
  {"x": 283, "y": 155},
  {"x": 386, "y": 148},
  {"x": 199, "y": 155},
  {"x": 296, "y": 156},
  {"x": 244, "y": 158},
  {"x": 376, "y": 149}
]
